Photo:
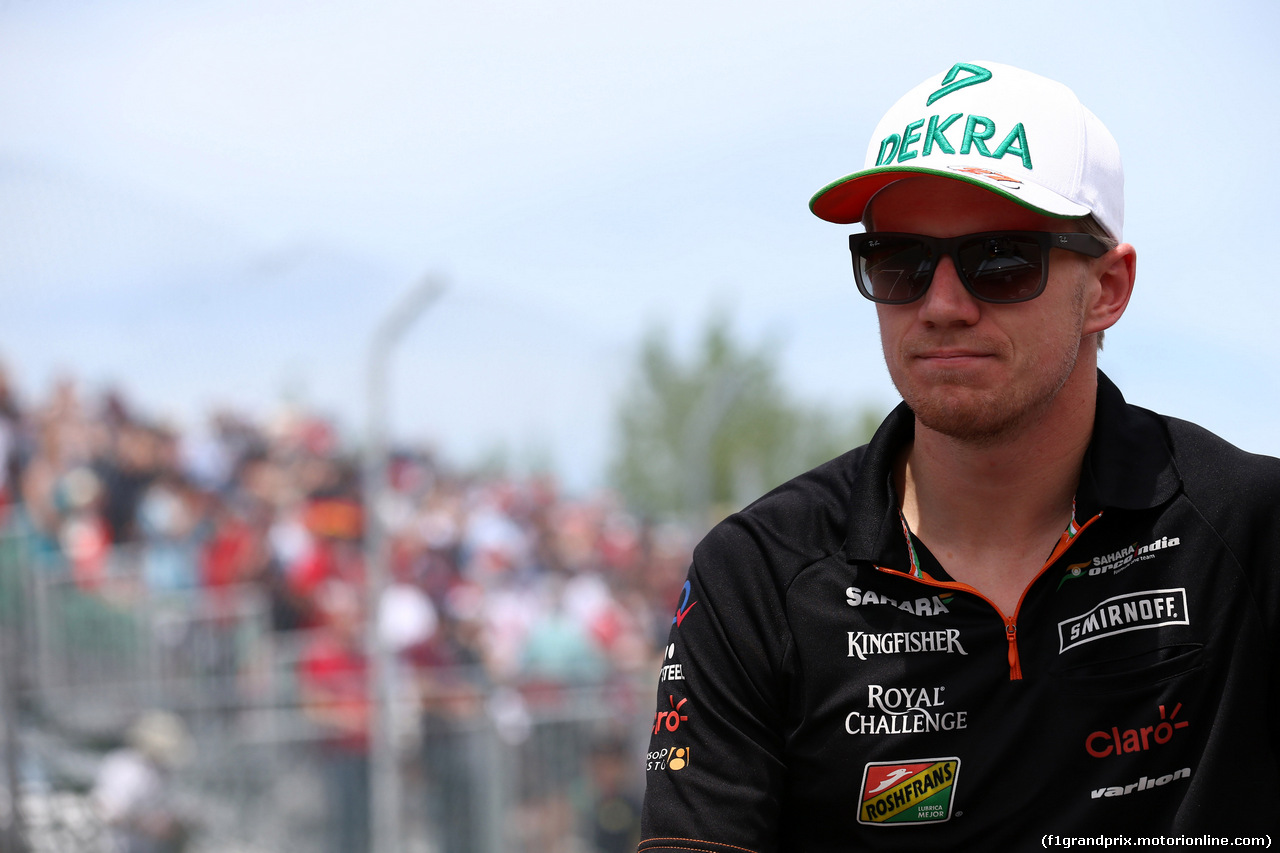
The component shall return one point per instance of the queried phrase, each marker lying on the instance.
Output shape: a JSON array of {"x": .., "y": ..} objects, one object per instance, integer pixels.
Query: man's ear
[{"x": 1112, "y": 277}]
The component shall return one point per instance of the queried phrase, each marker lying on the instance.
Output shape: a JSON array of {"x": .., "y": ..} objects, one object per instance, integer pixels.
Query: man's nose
[{"x": 947, "y": 301}]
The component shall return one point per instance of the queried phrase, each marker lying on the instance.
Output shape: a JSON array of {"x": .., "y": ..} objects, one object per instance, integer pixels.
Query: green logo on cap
[
  {"x": 951, "y": 84},
  {"x": 978, "y": 130}
]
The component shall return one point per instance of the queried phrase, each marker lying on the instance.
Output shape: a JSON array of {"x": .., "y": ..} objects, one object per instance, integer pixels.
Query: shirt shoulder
[
  {"x": 1237, "y": 493},
  {"x": 1220, "y": 477},
  {"x": 795, "y": 525}
]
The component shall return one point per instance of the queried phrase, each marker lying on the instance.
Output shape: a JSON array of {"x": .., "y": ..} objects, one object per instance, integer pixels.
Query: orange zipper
[
  {"x": 1010, "y": 622},
  {"x": 1015, "y": 665}
]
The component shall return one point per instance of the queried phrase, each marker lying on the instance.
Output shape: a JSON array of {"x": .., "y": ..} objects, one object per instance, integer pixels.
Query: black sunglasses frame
[{"x": 937, "y": 247}]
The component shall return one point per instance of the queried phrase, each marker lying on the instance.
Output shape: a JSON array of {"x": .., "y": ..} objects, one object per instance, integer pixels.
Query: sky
[{"x": 217, "y": 202}]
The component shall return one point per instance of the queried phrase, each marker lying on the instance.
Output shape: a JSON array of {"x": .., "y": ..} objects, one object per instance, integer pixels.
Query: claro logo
[
  {"x": 670, "y": 720},
  {"x": 1116, "y": 741}
]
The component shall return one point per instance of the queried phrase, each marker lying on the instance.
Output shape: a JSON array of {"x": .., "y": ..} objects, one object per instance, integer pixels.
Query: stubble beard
[{"x": 986, "y": 417}]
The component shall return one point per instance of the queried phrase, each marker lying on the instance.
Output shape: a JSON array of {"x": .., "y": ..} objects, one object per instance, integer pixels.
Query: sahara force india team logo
[{"x": 908, "y": 792}]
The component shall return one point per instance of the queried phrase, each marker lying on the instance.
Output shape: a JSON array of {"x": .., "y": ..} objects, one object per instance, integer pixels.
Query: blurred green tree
[{"x": 699, "y": 438}]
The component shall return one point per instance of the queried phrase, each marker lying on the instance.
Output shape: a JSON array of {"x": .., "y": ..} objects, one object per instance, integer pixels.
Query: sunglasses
[{"x": 995, "y": 266}]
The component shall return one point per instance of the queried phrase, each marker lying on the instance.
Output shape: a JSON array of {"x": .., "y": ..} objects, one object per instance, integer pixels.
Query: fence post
[
  {"x": 12, "y": 628},
  {"x": 384, "y": 782}
]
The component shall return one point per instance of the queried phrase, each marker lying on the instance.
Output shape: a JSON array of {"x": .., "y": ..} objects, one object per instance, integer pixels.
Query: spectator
[
  {"x": 333, "y": 680},
  {"x": 613, "y": 809},
  {"x": 11, "y": 427},
  {"x": 133, "y": 792}
]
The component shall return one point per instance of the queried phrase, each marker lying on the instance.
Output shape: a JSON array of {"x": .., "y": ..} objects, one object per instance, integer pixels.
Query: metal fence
[{"x": 521, "y": 768}]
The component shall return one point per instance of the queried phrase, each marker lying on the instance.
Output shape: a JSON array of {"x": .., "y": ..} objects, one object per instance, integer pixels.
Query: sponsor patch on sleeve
[{"x": 908, "y": 792}]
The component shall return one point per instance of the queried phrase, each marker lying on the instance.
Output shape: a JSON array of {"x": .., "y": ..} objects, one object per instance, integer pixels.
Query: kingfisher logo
[
  {"x": 946, "y": 641},
  {"x": 895, "y": 793},
  {"x": 1120, "y": 614}
]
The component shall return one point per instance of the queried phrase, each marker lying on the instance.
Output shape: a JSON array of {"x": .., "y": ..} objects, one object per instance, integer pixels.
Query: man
[{"x": 1026, "y": 609}]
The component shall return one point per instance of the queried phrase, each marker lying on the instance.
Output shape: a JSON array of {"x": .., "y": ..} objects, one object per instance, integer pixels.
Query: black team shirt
[{"x": 828, "y": 687}]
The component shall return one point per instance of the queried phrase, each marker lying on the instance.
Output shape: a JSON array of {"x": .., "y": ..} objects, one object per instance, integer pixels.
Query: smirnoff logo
[{"x": 1120, "y": 614}]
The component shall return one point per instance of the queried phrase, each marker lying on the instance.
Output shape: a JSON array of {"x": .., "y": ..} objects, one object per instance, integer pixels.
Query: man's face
[{"x": 970, "y": 369}]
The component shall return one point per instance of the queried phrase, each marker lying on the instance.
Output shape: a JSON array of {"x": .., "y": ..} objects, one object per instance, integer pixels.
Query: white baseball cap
[{"x": 1015, "y": 133}]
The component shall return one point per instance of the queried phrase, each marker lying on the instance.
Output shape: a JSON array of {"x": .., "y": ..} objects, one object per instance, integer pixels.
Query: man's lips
[{"x": 942, "y": 356}]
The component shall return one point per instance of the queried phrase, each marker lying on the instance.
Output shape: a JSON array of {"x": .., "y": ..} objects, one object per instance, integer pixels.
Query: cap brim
[{"x": 844, "y": 201}]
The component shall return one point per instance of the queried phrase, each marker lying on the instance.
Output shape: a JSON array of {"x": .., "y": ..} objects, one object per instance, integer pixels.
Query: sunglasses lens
[
  {"x": 1003, "y": 268},
  {"x": 893, "y": 270}
]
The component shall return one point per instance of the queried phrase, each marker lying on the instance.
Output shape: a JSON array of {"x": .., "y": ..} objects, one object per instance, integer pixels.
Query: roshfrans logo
[
  {"x": 898, "y": 793},
  {"x": 1120, "y": 614}
]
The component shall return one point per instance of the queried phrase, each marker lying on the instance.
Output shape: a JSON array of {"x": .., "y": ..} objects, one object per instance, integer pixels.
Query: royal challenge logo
[{"x": 899, "y": 793}]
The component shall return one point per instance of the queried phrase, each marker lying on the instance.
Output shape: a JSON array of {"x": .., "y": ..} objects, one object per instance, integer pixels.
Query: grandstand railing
[{"x": 482, "y": 768}]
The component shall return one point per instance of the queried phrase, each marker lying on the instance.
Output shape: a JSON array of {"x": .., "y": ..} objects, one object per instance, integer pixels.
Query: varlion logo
[
  {"x": 1122, "y": 613},
  {"x": 895, "y": 793},
  {"x": 1144, "y": 784}
]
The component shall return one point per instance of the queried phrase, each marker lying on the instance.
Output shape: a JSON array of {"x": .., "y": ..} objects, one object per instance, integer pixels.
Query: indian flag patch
[{"x": 906, "y": 792}]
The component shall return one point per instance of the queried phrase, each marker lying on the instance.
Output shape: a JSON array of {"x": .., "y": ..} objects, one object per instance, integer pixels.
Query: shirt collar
[{"x": 1127, "y": 465}]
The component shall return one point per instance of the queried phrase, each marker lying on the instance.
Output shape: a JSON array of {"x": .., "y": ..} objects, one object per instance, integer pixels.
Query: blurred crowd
[
  {"x": 505, "y": 571},
  {"x": 499, "y": 583}
]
